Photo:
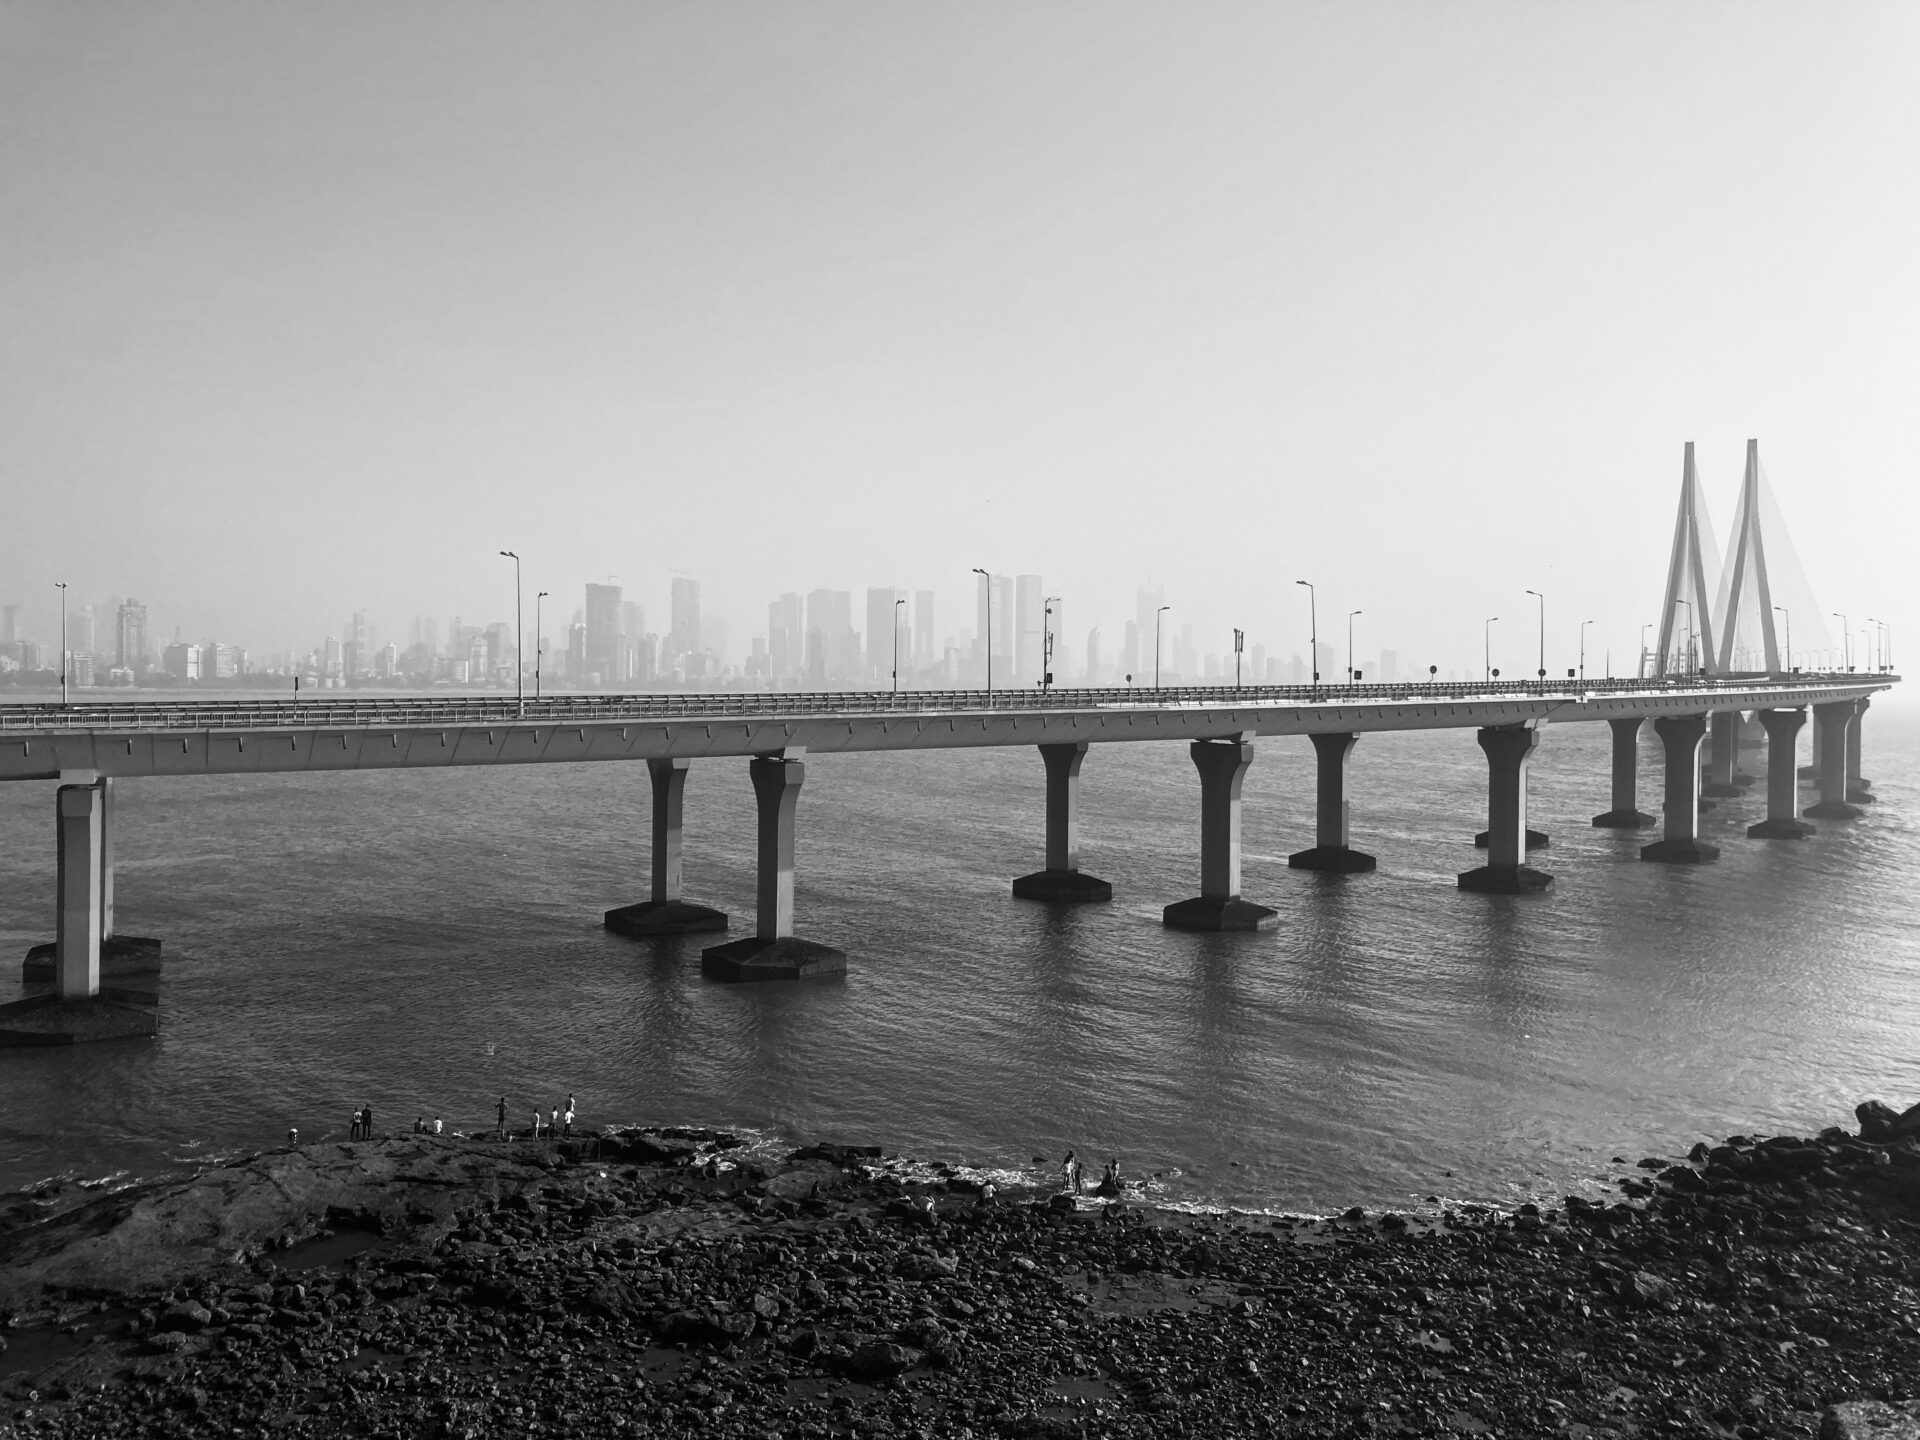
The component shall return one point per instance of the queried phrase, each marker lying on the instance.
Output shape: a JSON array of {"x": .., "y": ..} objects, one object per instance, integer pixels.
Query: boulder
[
  {"x": 187, "y": 1317},
  {"x": 881, "y": 1360},
  {"x": 1878, "y": 1121},
  {"x": 1871, "y": 1420}
]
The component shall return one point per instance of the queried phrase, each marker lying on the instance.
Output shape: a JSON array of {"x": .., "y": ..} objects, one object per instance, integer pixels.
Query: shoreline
[{"x": 658, "y": 1280}]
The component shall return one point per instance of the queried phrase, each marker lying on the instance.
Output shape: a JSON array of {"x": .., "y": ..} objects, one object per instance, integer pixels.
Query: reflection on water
[{"x": 426, "y": 942}]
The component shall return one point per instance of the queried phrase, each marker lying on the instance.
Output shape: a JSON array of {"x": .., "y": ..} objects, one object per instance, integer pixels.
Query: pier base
[
  {"x": 1508, "y": 748},
  {"x": 1069, "y": 887},
  {"x": 1333, "y": 860},
  {"x": 1219, "y": 912},
  {"x": 1505, "y": 880},
  {"x": 1332, "y": 852},
  {"x": 1536, "y": 839},
  {"x": 1680, "y": 738},
  {"x": 1626, "y": 813},
  {"x": 46, "y": 1020},
  {"x": 782, "y": 958},
  {"x": 668, "y": 912},
  {"x": 665, "y": 917},
  {"x": 1681, "y": 851},
  {"x": 1830, "y": 726},
  {"x": 1784, "y": 829},
  {"x": 121, "y": 956},
  {"x": 1222, "y": 765},
  {"x": 1783, "y": 729},
  {"x": 1623, "y": 820}
]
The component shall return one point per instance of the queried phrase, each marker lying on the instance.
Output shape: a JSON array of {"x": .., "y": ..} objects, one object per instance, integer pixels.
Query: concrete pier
[
  {"x": 121, "y": 956},
  {"x": 1508, "y": 748},
  {"x": 1222, "y": 765},
  {"x": 1332, "y": 851},
  {"x": 668, "y": 912},
  {"x": 1723, "y": 748},
  {"x": 1783, "y": 786},
  {"x": 1831, "y": 723},
  {"x": 1626, "y": 813},
  {"x": 1859, "y": 791},
  {"x": 772, "y": 952},
  {"x": 1062, "y": 880},
  {"x": 1680, "y": 737}
]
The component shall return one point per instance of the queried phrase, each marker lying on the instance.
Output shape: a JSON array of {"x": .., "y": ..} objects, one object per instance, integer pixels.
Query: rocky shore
[{"x": 661, "y": 1282}]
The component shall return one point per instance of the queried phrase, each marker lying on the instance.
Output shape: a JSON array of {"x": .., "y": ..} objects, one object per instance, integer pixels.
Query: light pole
[
  {"x": 989, "y": 579},
  {"x": 1846, "y": 641},
  {"x": 1873, "y": 644},
  {"x": 1313, "y": 631},
  {"x": 1689, "y": 605},
  {"x": 1641, "y": 673},
  {"x": 1543, "y": 633},
  {"x": 61, "y": 586},
  {"x": 897, "y": 603},
  {"x": 1583, "y": 650},
  {"x": 537, "y": 642},
  {"x": 1156, "y": 643},
  {"x": 1046, "y": 641},
  {"x": 519, "y": 671},
  {"x": 1789, "y": 628},
  {"x": 1486, "y": 648},
  {"x": 1350, "y": 615}
]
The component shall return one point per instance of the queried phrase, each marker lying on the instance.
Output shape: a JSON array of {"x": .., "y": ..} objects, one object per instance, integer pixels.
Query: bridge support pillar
[
  {"x": 1722, "y": 749},
  {"x": 1859, "y": 792},
  {"x": 1508, "y": 748},
  {"x": 1830, "y": 725},
  {"x": 1625, "y": 814},
  {"x": 1331, "y": 850},
  {"x": 120, "y": 955},
  {"x": 1680, "y": 737},
  {"x": 1222, "y": 765},
  {"x": 772, "y": 952},
  {"x": 668, "y": 912},
  {"x": 1062, "y": 880},
  {"x": 1783, "y": 787}
]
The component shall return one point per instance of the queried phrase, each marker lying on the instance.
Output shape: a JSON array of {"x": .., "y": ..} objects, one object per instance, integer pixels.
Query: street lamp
[
  {"x": 519, "y": 672},
  {"x": 1689, "y": 605},
  {"x": 1873, "y": 644},
  {"x": 1789, "y": 627},
  {"x": 1046, "y": 641},
  {"x": 1350, "y": 615},
  {"x": 538, "y": 640},
  {"x": 1543, "y": 633},
  {"x": 61, "y": 586},
  {"x": 1846, "y": 641},
  {"x": 989, "y": 579},
  {"x": 1486, "y": 647},
  {"x": 1583, "y": 650},
  {"x": 1156, "y": 643},
  {"x": 897, "y": 603},
  {"x": 1641, "y": 673},
  {"x": 1313, "y": 631}
]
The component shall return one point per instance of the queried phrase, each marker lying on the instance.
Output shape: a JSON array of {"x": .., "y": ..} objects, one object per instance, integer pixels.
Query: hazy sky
[{"x": 305, "y": 308}]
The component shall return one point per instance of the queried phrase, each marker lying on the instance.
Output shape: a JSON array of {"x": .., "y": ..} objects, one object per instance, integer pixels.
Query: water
[{"x": 427, "y": 941}]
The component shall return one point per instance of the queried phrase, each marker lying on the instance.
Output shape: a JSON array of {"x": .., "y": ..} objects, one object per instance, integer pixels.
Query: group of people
[
  {"x": 556, "y": 1124},
  {"x": 360, "y": 1126},
  {"x": 1074, "y": 1174},
  {"x": 422, "y": 1126}
]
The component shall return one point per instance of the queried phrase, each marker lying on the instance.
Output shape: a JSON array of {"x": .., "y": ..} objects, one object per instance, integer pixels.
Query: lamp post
[
  {"x": 897, "y": 603},
  {"x": 1789, "y": 629},
  {"x": 1846, "y": 641},
  {"x": 538, "y": 640},
  {"x": 519, "y": 671},
  {"x": 1486, "y": 647},
  {"x": 1873, "y": 644},
  {"x": 1046, "y": 641},
  {"x": 61, "y": 586},
  {"x": 1543, "y": 634},
  {"x": 989, "y": 579},
  {"x": 1350, "y": 672},
  {"x": 1313, "y": 631},
  {"x": 1689, "y": 605},
  {"x": 1583, "y": 650},
  {"x": 1156, "y": 643},
  {"x": 1641, "y": 673}
]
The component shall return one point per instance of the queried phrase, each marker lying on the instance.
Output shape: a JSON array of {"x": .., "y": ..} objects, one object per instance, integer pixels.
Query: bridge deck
[{"x": 199, "y": 737}]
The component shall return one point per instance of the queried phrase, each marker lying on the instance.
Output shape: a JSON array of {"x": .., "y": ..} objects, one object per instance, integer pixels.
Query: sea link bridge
[{"x": 85, "y": 748}]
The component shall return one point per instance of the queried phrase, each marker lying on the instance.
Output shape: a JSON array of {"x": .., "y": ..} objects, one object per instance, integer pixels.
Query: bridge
[{"x": 86, "y": 748}]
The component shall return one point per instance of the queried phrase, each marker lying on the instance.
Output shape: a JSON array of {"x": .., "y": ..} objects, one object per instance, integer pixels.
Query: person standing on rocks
[
  {"x": 366, "y": 1121},
  {"x": 536, "y": 1122},
  {"x": 566, "y": 1121},
  {"x": 1070, "y": 1174},
  {"x": 353, "y": 1126},
  {"x": 553, "y": 1123},
  {"x": 502, "y": 1126}
]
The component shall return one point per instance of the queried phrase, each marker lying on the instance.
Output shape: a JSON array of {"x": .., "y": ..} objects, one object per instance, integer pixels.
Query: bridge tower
[
  {"x": 1692, "y": 566},
  {"x": 1745, "y": 601}
]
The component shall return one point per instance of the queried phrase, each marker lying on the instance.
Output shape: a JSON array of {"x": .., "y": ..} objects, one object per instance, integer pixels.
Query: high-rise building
[
  {"x": 424, "y": 633},
  {"x": 602, "y": 663},
  {"x": 786, "y": 639},
  {"x": 130, "y": 636},
  {"x": 1096, "y": 662},
  {"x": 358, "y": 651},
  {"x": 81, "y": 634},
  {"x": 924, "y": 649},
  {"x": 683, "y": 637},
  {"x": 993, "y": 602},
  {"x": 833, "y": 645},
  {"x": 10, "y": 625},
  {"x": 1027, "y": 626},
  {"x": 884, "y": 632},
  {"x": 182, "y": 662}
]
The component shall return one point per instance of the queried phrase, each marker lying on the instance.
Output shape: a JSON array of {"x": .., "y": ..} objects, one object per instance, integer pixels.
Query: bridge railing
[{"x": 427, "y": 710}]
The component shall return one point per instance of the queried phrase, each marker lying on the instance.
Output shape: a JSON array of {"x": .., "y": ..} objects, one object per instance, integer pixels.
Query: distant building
[
  {"x": 182, "y": 662},
  {"x": 924, "y": 651},
  {"x": 884, "y": 632},
  {"x": 1147, "y": 603},
  {"x": 993, "y": 603},
  {"x": 1028, "y": 624},
  {"x": 81, "y": 632},
  {"x": 833, "y": 645},
  {"x": 9, "y": 625},
  {"x": 601, "y": 664},
  {"x": 786, "y": 639},
  {"x": 683, "y": 638},
  {"x": 130, "y": 650}
]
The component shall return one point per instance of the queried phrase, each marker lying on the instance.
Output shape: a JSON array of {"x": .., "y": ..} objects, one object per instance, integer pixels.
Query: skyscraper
[
  {"x": 882, "y": 622},
  {"x": 924, "y": 644},
  {"x": 833, "y": 645},
  {"x": 10, "y": 625},
  {"x": 81, "y": 636},
  {"x": 603, "y": 635},
  {"x": 130, "y": 636},
  {"x": 993, "y": 601},
  {"x": 1027, "y": 625},
  {"x": 786, "y": 639},
  {"x": 683, "y": 638}
]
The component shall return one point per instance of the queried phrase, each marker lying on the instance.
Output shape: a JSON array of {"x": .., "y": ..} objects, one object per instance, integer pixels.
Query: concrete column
[
  {"x": 1222, "y": 765},
  {"x": 1062, "y": 880},
  {"x": 106, "y": 860},
  {"x": 773, "y": 952},
  {"x": 1830, "y": 725},
  {"x": 1783, "y": 786},
  {"x": 667, "y": 913},
  {"x": 77, "y": 968},
  {"x": 121, "y": 956},
  {"x": 1859, "y": 792},
  {"x": 1508, "y": 748},
  {"x": 1626, "y": 813},
  {"x": 1680, "y": 736},
  {"x": 1722, "y": 750},
  {"x": 1331, "y": 851}
]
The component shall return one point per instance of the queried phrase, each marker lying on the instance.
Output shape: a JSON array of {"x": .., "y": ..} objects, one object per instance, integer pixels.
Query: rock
[
  {"x": 1871, "y": 1420},
  {"x": 1645, "y": 1290},
  {"x": 1909, "y": 1121},
  {"x": 926, "y": 1267},
  {"x": 704, "y": 1331},
  {"x": 881, "y": 1360},
  {"x": 610, "y": 1300},
  {"x": 168, "y": 1342},
  {"x": 186, "y": 1316}
]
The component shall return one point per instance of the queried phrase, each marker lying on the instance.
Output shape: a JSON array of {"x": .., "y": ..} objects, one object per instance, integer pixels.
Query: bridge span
[{"x": 86, "y": 747}]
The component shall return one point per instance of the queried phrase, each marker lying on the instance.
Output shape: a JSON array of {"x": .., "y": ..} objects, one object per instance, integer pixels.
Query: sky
[{"x": 310, "y": 309}]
